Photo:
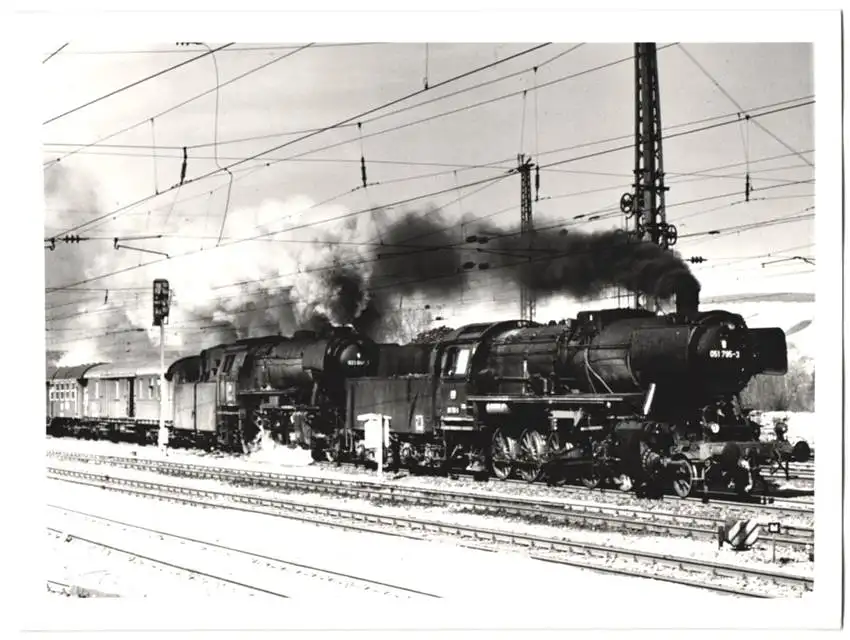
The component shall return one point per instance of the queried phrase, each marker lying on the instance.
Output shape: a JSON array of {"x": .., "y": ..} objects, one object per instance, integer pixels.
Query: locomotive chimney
[{"x": 687, "y": 299}]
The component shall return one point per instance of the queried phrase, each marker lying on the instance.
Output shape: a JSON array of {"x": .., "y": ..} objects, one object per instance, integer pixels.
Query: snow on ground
[
  {"x": 90, "y": 568},
  {"x": 460, "y": 484},
  {"x": 442, "y": 569},
  {"x": 798, "y": 562}
]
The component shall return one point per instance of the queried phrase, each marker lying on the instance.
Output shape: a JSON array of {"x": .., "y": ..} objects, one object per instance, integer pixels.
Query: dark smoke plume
[
  {"x": 583, "y": 265},
  {"x": 421, "y": 254}
]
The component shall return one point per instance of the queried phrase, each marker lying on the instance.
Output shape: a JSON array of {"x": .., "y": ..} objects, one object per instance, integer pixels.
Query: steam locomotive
[
  {"x": 617, "y": 396},
  {"x": 225, "y": 397}
]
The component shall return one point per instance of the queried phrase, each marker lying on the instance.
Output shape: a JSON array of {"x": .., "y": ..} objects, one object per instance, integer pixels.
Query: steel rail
[
  {"x": 333, "y": 576},
  {"x": 416, "y": 527},
  {"x": 63, "y": 588},
  {"x": 195, "y": 572},
  {"x": 623, "y": 517}
]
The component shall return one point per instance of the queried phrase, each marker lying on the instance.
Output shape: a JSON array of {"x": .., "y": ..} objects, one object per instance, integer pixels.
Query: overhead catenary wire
[
  {"x": 669, "y": 127},
  {"x": 545, "y": 255},
  {"x": 257, "y": 48},
  {"x": 133, "y": 84},
  {"x": 535, "y": 94},
  {"x": 542, "y": 166},
  {"x": 375, "y": 118},
  {"x": 55, "y": 52},
  {"x": 599, "y": 214},
  {"x": 217, "y": 92},
  {"x": 179, "y": 105},
  {"x": 740, "y": 108},
  {"x": 520, "y": 262},
  {"x": 332, "y": 219},
  {"x": 322, "y": 130}
]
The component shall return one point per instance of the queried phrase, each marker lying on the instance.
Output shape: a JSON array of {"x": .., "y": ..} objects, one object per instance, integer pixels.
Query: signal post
[{"x": 161, "y": 307}]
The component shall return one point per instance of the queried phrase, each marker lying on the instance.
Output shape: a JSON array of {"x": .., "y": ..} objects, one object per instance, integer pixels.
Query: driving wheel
[
  {"x": 532, "y": 454},
  {"x": 501, "y": 455}
]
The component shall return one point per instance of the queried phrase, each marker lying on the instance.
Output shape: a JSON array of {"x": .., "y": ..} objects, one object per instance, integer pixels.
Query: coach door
[
  {"x": 452, "y": 389},
  {"x": 131, "y": 397}
]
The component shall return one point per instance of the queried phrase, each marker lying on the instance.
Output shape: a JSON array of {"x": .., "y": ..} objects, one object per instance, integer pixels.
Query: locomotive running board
[{"x": 573, "y": 398}]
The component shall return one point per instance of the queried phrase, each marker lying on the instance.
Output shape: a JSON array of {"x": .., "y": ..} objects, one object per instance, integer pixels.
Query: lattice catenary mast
[
  {"x": 527, "y": 299},
  {"x": 645, "y": 206}
]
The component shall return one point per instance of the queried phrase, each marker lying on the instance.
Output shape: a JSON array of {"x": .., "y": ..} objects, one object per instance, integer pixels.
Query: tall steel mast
[
  {"x": 645, "y": 205},
  {"x": 527, "y": 299}
]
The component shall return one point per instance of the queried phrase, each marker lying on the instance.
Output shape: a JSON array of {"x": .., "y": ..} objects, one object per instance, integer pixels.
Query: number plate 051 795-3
[{"x": 724, "y": 354}]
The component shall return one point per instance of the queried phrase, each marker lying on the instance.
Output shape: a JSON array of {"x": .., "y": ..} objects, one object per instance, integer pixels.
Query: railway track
[
  {"x": 252, "y": 559},
  {"x": 616, "y": 515},
  {"x": 158, "y": 562},
  {"x": 747, "y": 581},
  {"x": 76, "y": 591}
]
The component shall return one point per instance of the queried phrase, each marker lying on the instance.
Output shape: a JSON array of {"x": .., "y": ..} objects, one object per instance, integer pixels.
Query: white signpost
[{"x": 377, "y": 431}]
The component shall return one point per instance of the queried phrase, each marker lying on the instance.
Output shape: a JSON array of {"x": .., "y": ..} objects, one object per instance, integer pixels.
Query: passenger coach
[{"x": 105, "y": 400}]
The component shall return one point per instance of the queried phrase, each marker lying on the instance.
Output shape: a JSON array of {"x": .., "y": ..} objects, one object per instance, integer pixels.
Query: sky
[{"x": 570, "y": 106}]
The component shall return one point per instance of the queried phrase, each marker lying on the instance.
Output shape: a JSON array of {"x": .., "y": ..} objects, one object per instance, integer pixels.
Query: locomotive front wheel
[
  {"x": 500, "y": 454},
  {"x": 532, "y": 451}
]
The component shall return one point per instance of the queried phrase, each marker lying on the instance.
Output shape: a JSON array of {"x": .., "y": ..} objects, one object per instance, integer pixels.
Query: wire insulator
[
  {"x": 183, "y": 168},
  {"x": 362, "y": 155},
  {"x": 537, "y": 183},
  {"x": 748, "y": 187}
]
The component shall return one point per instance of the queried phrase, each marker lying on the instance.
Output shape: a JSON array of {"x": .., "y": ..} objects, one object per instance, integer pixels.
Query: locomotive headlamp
[{"x": 714, "y": 427}]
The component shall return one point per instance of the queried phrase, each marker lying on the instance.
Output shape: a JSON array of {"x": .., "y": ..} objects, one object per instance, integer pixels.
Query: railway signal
[
  {"x": 161, "y": 308},
  {"x": 161, "y": 301}
]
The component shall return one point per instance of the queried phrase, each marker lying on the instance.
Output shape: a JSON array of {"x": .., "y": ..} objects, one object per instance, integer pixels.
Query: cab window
[{"x": 456, "y": 362}]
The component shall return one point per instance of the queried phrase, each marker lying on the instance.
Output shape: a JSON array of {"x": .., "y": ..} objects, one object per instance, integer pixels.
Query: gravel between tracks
[
  {"x": 760, "y": 557},
  {"x": 461, "y": 484},
  {"x": 444, "y": 569}
]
